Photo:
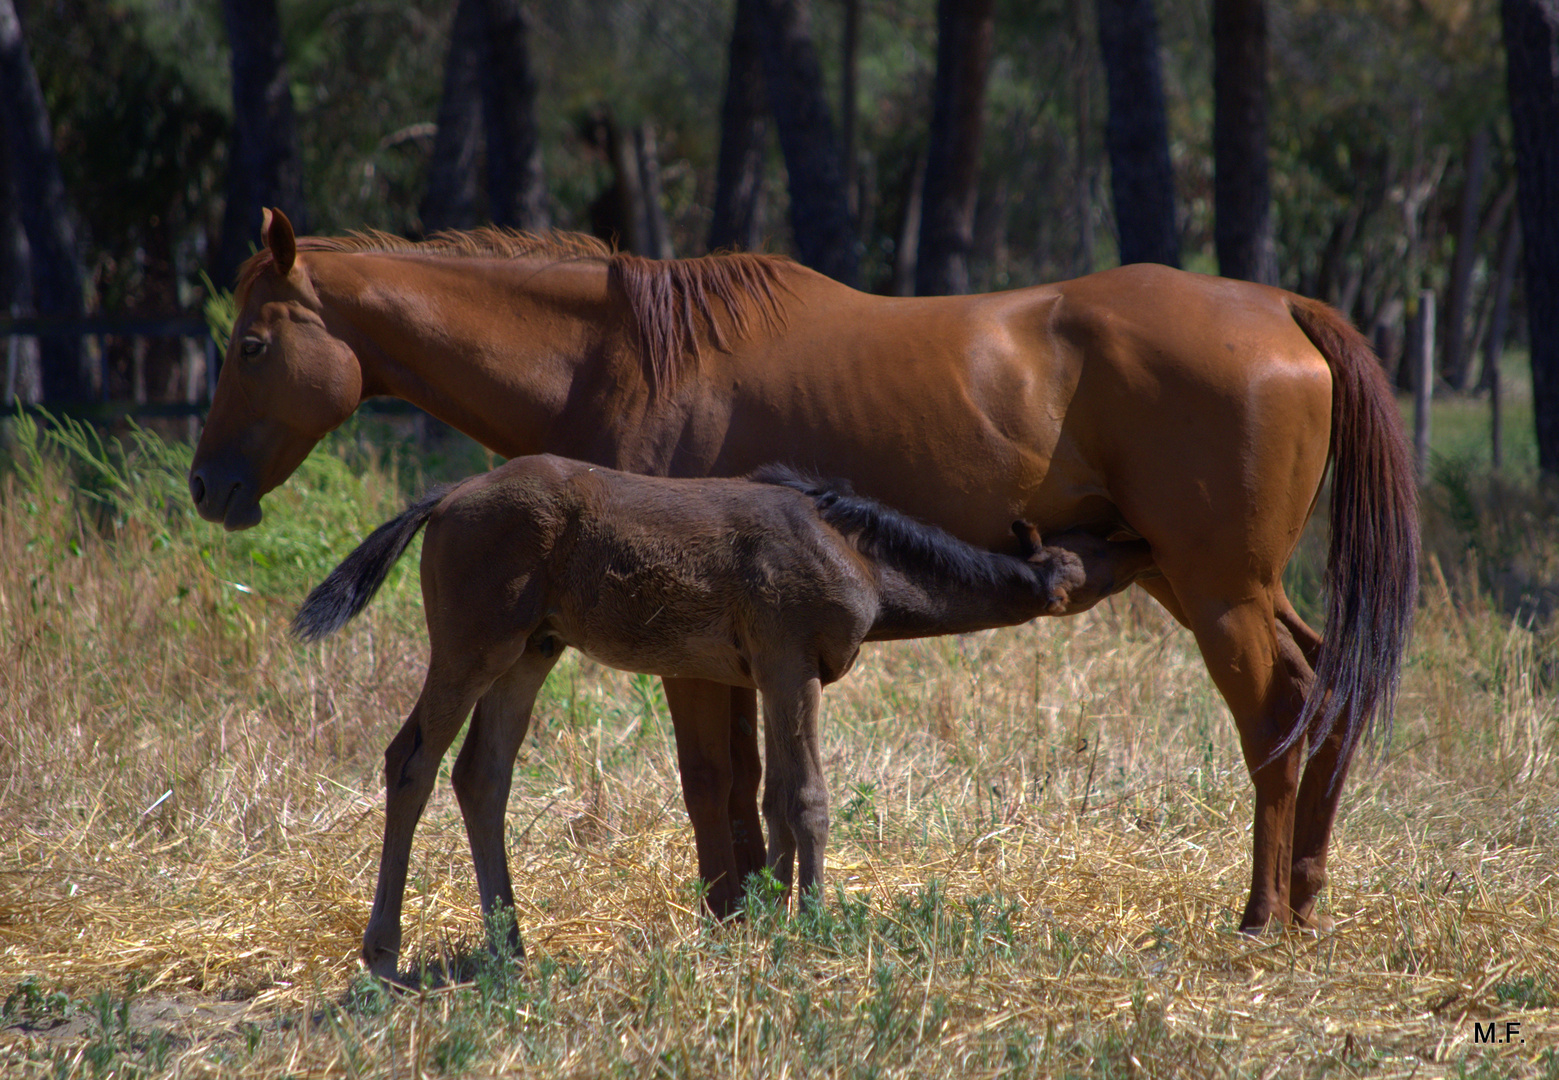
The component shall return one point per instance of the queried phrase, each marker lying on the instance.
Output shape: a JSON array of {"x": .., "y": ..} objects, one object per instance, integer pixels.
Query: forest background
[{"x": 1366, "y": 149}]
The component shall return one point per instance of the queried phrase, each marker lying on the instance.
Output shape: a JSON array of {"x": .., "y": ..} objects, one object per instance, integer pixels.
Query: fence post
[{"x": 1423, "y": 380}]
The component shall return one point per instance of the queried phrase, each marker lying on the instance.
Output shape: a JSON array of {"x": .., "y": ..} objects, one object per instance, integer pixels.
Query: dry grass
[{"x": 1040, "y": 848}]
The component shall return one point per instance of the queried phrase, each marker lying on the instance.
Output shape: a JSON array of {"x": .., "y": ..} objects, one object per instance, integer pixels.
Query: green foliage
[
  {"x": 220, "y": 311},
  {"x": 134, "y": 485}
]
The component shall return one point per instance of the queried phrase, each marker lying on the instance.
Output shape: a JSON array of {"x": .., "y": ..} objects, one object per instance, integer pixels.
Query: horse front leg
[
  {"x": 484, "y": 772},
  {"x": 795, "y": 798},
  {"x": 701, "y": 719}
]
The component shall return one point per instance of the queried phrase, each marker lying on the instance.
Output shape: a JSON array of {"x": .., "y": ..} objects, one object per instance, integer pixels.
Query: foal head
[{"x": 288, "y": 380}]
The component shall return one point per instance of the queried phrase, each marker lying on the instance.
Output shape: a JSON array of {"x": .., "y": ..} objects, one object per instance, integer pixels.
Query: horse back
[{"x": 691, "y": 577}]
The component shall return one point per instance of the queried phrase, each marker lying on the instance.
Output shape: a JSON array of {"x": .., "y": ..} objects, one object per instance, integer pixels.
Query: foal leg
[
  {"x": 701, "y": 718},
  {"x": 795, "y": 799},
  {"x": 484, "y": 770},
  {"x": 410, "y": 766}
]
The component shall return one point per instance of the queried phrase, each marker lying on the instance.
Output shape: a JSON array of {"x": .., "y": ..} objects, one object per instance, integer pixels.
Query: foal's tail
[
  {"x": 1372, "y": 568},
  {"x": 346, "y": 592}
]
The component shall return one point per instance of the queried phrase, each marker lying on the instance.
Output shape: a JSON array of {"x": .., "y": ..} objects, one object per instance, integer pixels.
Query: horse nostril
[{"x": 197, "y": 489}]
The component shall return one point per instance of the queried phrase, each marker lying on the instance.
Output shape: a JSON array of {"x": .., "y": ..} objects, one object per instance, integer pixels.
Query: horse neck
[
  {"x": 493, "y": 349},
  {"x": 914, "y": 602}
]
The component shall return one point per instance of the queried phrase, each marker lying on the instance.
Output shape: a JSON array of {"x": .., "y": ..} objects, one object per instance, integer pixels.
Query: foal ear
[
  {"x": 277, "y": 233},
  {"x": 1029, "y": 541}
]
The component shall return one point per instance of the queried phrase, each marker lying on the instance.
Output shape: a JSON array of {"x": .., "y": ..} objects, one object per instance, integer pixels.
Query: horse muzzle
[{"x": 224, "y": 498}]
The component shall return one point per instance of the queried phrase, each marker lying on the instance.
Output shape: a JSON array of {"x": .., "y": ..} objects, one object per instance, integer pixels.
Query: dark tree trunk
[
  {"x": 849, "y": 62},
  {"x": 22, "y": 377},
  {"x": 451, "y": 199},
  {"x": 1532, "y": 55},
  {"x": 744, "y": 133},
  {"x": 44, "y": 212},
  {"x": 1493, "y": 343},
  {"x": 516, "y": 187},
  {"x": 264, "y": 169},
  {"x": 630, "y": 212},
  {"x": 652, "y": 206},
  {"x": 965, "y": 29},
  {"x": 906, "y": 248},
  {"x": 1136, "y": 133},
  {"x": 1242, "y": 226},
  {"x": 819, "y": 209},
  {"x": 1455, "y": 351}
]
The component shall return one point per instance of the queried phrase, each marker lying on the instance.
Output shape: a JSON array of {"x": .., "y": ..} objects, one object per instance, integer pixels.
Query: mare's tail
[
  {"x": 1372, "y": 567},
  {"x": 346, "y": 592}
]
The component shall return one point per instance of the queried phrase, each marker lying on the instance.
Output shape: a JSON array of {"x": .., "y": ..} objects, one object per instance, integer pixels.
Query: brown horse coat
[
  {"x": 770, "y": 585},
  {"x": 1196, "y": 413}
]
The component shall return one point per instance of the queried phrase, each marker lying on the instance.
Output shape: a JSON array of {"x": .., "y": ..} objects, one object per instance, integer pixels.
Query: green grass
[{"x": 1039, "y": 847}]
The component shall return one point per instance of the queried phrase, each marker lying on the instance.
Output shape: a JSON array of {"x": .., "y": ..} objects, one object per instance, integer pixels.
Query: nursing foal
[{"x": 769, "y": 582}]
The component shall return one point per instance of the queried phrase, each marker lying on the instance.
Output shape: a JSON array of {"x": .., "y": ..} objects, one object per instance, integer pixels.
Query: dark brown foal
[{"x": 771, "y": 584}]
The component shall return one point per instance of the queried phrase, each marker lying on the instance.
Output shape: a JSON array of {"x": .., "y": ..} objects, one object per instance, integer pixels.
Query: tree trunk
[
  {"x": 1493, "y": 343},
  {"x": 1136, "y": 133},
  {"x": 450, "y": 201},
  {"x": 744, "y": 133},
  {"x": 1531, "y": 31},
  {"x": 264, "y": 168},
  {"x": 23, "y": 380},
  {"x": 1083, "y": 189},
  {"x": 965, "y": 29},
  {"x": 1242, "y": 226},
  {"x": 652, "y": 208},
  {"x": 906, "y": 249},
  {"x": 819, "y": 209},
  {"x": 44, "y": 212},
  {"x": 1455, "y": 354},
  {"x": 516, "y": 186},
  {"x": 849, "y": 63}
]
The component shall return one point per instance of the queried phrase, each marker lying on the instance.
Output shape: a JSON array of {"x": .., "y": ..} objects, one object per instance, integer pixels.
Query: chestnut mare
[
  {"x": 771, "y": 585},
  {"x": 1195, "y": 413}
]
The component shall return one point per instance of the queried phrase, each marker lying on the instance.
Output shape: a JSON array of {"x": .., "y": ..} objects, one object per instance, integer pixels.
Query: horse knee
[{"x": 476, "y": 784}]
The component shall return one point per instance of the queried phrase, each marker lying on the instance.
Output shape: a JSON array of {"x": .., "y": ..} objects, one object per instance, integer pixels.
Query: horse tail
[
  {"x": 347, "y": 590},
  {"x": 1371, "y": 575}
]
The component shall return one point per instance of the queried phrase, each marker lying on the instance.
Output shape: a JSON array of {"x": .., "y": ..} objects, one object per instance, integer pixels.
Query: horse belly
[{"x": 663, "y": 639}]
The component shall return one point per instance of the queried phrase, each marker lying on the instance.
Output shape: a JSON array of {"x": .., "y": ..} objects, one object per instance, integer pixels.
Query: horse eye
[{"x": 249, "y": 348}]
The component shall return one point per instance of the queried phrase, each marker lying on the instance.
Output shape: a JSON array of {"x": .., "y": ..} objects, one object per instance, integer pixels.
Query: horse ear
[
  {"x": 276, "y": 230},
  {"x": 1029, "y": 541}
]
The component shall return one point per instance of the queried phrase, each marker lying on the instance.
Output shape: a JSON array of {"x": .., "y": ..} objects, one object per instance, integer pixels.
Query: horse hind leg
[
  {"x": 484, "y": 771},
  {"x": 746, "y": 778},
  {"x": 1320, "y": 789},
  {"x": 411, "y": 764},
  {"x": 1263, "y": 677}
]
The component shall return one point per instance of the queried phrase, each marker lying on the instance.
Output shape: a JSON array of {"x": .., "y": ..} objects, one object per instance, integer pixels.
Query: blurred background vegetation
[{"x": 1387, "y": 128}]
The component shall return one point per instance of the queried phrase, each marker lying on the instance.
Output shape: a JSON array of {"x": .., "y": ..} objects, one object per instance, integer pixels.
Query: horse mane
[
  {"x": 885, "y": 535},
  {"x": 672, "y": 301}
]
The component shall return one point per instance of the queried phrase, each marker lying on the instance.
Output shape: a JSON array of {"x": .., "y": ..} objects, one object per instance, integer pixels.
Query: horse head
[{"x": 287, "y": 381}]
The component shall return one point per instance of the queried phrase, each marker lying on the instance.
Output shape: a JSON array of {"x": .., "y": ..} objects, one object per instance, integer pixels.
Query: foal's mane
[
  {"x": 672, "y": 301},
  {"x": 884, "y": 534}
]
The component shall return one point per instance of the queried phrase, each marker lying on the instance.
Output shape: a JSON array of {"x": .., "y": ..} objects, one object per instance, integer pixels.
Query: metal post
[{"x": 1423, "y": 380}]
